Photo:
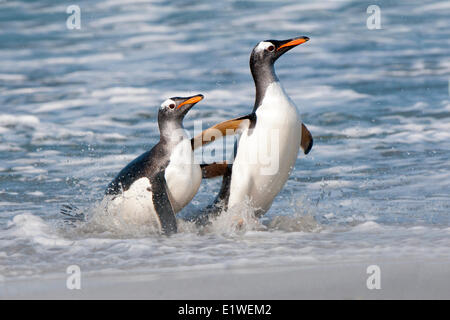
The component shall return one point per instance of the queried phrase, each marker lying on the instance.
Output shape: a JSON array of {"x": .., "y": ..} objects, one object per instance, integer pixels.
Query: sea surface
[{"x": 77, "y": 105}]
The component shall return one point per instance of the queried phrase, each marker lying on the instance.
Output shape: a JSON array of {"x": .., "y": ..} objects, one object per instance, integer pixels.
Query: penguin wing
[
  {"x": 307, "y": 140},
  {"x": 222, "y": 129},
  {"x": 143, "y": 166},
  {"x": 162, "y": 204},
  {"x": 133, "y": 171}
]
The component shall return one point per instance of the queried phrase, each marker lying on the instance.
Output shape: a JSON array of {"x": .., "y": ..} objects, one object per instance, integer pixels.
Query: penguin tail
[{"x": 72, "y": 212}]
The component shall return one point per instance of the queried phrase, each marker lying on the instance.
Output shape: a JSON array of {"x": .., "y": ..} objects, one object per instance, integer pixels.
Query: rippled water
[{"x": 77, "y": 105}]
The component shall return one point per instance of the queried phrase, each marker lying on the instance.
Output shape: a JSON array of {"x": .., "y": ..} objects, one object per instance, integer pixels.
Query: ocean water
[{"x": 77, "y": 105}]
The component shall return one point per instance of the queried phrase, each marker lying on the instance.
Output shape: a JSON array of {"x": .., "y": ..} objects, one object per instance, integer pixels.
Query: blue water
[{"x": 78, "y": 105}]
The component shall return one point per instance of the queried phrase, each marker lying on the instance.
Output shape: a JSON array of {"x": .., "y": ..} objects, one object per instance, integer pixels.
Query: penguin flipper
[
  {"x": 307, "y": 140},
  {"x": 212, "y": 170},
  {"x": 162, "y": 204},
  {"x": 222, "y": 129}
]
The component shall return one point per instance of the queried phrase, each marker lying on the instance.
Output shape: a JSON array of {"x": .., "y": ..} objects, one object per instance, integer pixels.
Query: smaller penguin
[{"x": 159, "y": 183}]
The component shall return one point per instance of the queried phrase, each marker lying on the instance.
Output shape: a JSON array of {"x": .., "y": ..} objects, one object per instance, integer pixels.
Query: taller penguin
[{"x": 270, "y": 139}]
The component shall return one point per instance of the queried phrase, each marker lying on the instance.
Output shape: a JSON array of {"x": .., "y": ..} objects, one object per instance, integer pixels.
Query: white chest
[
  {"x": 183, "y": 175},
  {"x": 266, "y": 154}
]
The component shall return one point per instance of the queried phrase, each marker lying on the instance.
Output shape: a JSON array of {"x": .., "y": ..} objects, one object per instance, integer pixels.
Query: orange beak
[
  {"x": 192, "y": 100},
  {"x": 294, "y": 42}
]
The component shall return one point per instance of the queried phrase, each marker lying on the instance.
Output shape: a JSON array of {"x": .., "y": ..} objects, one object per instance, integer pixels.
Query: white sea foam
[
  {"x": 9, "y": 119},
  {"x": 65, "y": 104},
  {"x": 100, "y": 241},
  {"x": 11, "y": 77}
]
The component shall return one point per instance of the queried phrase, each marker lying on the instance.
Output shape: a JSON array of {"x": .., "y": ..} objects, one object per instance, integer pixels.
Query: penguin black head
[
  {"x": 174, "y": 109},
  {"x": 268, "y": 51},
  {"x": 262, "y": 58}
]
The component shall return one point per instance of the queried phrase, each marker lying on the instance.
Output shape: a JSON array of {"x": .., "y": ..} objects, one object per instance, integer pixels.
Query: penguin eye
[
  {"x": 271, "y": 48},
  {"x": 171, "y": 106}
]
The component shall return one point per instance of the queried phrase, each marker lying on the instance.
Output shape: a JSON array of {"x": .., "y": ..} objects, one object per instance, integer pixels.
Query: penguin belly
[
  {"x": 135, "y": 205},
  {"x": 267, "y": 153},
  {"x": 183, "y": 175}
]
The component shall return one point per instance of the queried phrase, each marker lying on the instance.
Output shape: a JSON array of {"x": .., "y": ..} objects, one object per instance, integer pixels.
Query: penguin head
[
  {"x": 268, "y": 51},
  {"x": 176, "y": 108}
]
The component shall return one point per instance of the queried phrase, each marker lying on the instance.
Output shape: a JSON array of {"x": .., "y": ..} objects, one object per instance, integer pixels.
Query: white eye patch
[
  {"x": 167, "y": 103},
  {"x": 263, "y": 45}
]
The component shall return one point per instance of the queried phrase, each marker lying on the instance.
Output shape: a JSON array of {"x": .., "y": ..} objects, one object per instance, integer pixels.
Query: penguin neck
[
  {"x": 171, "y": 132},
  {"x": 263, "y": 76}
]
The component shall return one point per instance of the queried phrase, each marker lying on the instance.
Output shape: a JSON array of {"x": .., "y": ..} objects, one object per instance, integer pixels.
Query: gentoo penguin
[
  {"x": 273, "y": 129},
  {"x": 156, "y": 185}
]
